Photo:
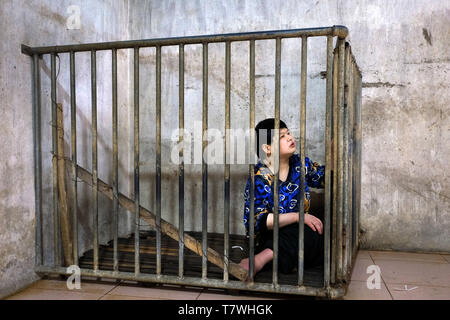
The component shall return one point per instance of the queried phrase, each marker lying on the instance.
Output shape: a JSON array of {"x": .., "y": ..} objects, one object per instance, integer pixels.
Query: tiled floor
[{"x": 402, "y": 276}]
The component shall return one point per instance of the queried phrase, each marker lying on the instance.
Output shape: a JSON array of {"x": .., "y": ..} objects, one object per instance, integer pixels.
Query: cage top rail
[{"x": 336, "y": 30}]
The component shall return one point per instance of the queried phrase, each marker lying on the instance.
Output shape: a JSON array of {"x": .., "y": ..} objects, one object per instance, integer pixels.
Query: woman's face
[{"x": 287, "y": 143}]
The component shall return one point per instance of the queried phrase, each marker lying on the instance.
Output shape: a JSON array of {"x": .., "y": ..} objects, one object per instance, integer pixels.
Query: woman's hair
[{"x": 265, "y": 132}]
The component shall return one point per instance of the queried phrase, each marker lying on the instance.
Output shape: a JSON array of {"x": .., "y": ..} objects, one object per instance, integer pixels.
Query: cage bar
[
  {"x": 181, "y": 158},
  {"x": 56, "y": 222},
  {"x": 252, "y": 166},
  {"x": 37, "y": 159},
  {"x": 301, "y": 193},
  {"x": 73, "y": 128},
  {"x": 276, "y": 162},
  {"x": 328, "y": 161},
  {"x": 158, "y": 160},
  {"x": 226, "y": 218},
  {"x": 204, "y": 165},
  {"x": 115, "y": 160},
  {"x": 137, "y": 266}
]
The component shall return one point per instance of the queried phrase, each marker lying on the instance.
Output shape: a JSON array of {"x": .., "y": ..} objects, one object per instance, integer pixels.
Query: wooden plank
[
  {"x": 63, "y": 208},
  {"x": 166, "y": 227}
]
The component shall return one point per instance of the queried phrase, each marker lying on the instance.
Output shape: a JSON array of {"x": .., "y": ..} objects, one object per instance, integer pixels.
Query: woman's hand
[{"x": 313, "y": 222}]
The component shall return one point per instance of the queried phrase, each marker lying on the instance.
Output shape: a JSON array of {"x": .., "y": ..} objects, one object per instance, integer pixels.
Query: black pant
[{"x": 288, "y": 247}]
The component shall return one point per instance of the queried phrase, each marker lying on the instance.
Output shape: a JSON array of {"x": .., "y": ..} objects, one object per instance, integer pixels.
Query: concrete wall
[
  {"x": 400, "y": 46},
  {"x": 40, "y": 23}
]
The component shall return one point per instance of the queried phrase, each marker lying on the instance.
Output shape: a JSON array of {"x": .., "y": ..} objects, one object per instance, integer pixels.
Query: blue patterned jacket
[{"x": 314, "y": 177}]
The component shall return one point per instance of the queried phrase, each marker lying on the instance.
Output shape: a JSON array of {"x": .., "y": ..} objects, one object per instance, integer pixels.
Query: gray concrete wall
[
  {"x": 40, "y": 23},
  {"x": 402, "y": 50},
  {"x": 400, "y": 46}
]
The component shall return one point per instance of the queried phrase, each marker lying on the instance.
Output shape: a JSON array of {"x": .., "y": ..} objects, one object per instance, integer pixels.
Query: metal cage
[{"x": 342, "y": 184}]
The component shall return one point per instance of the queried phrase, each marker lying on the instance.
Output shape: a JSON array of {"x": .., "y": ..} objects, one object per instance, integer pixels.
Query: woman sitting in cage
[{"x": 289, "y": 178}]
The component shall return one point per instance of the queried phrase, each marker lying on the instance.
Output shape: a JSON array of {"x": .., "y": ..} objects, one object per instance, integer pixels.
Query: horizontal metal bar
[
  {"x": 334, "y": 292},
  {"x": 337, "y": 30}
]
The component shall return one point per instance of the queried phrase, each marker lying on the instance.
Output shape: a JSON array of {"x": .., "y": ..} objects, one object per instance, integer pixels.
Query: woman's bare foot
[{"x": 260, "y": 261}]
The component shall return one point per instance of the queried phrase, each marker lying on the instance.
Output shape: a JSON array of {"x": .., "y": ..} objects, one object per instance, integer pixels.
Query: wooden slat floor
[{"x": 192, "y": 262}]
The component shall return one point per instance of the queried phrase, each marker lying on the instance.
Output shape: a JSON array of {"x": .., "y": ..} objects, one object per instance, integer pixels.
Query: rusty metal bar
[
  {"x": 56, "y": 222},
  {"x": 212, "y": 283},
  {"x": 340, "y": 160},
  {"x": 276, "y": 162},
  {"x": 181, "y": 166},
  {"x": 358, "y": 154},
  {"x": 328, "y": 159},
  {"x": 350, "y": 108},
  {"x": 158, "y": 160},
  {"x": 204, "y": 165},
  {"x": 37, "y": 158},
  {"x": 354, "y": 150},
  {"x": 336, "y": 30},
  {"x": 346, "y": 220},
  {"x": 137, "y": 251},
  {"x": 94, "y": 155},
  {"x": 226, "y": 217},
  {"x": 301, "y": 193},
  {"x": 73, "y": 125},
  {"x": 335, "y": 159},
  {"x": 252, "y": 165},
  {"x": 115, "y": 173}
]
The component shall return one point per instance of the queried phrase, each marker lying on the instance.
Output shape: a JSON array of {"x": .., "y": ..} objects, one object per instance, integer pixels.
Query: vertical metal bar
[
  {"x": 181, "y": 166},
  {"x": 204, "y": 165},
  {"x": 353, "y": 155},
  {"x": 345, "y": 161},
  {"x": 94, "y": 154},
  {"x": 335, "y": 159},
  {"x": 158, "y": 160},
  {"x": 137, "y": 266},
  {"x": 340, "y": 160},
  {"x": 358, "y": 137},
  {"x": 350, "y": 108},
  {"x": 137, "y": 214},
  {"x": 252, "y": 165},
  {"x": 226, "y": 217},
  {"x": 276, "y": 162},
  {"x": 37, "y": 158},
  {"x": 115, "y": 161},
  {"x": 301, "y": 193},
  {"x": 328, "y": 141},
  {"x": 56, "y": 228},
  {"x": 73, "y": 125}
]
